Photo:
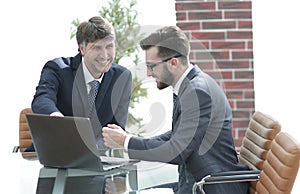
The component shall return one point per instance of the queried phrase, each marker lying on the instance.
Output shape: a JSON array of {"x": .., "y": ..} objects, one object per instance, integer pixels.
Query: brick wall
[{"x": 221, "y": 41}]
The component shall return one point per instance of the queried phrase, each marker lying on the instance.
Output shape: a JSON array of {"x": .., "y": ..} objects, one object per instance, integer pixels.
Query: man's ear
[
  {"x": 81, "y": 49},
  {"x": 174, "y": 63}
]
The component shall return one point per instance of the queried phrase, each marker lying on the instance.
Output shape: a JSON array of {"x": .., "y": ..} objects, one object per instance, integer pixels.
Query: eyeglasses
[{"x": 150, "y": 66}]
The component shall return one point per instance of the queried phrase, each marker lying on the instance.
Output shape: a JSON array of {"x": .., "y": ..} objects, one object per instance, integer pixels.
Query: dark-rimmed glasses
[{"x": 150, "y": 66}]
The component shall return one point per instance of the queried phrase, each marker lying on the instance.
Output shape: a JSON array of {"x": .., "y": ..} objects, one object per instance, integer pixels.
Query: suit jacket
[
  {"x": 201, "y": 136},
  {"x": 62, "y": 88}
]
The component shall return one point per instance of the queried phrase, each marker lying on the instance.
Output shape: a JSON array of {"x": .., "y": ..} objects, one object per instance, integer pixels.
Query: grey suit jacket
[{"x": 201, "y": 135}]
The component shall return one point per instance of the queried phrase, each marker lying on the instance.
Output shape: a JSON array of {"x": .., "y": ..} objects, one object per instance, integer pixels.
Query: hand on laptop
[{"x": 114, "y": 136}]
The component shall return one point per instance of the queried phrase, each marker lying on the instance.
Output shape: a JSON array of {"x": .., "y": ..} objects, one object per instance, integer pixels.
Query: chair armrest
[
  {"x": 232, "y": 178},
  {"x": 25, "y": 155},
  {"x": 15, "y": 149},
  {"x": 236, "y": 172},
  {"x": 226, "y": 177},
  {"x": 29, "y": 155}
]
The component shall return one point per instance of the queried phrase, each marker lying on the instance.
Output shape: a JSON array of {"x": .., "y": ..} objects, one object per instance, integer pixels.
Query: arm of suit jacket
[
  {"x": 163, "y": 137},
  {"x": 189, "y": 126},
  {"x": 45, "y": 97}
]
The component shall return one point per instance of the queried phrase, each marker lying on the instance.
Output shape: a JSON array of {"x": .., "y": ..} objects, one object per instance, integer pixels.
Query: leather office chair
[
  {"x": 261, "y": 131},
  {"x": 281, "y": 166},
  {"x": 25, "y": 139},
  {"x": 278, "y": 173}
]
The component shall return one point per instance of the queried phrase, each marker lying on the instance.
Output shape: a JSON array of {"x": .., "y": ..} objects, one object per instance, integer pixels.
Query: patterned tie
[
  {"x": 174, "y": 101},
  {"x": 92, "y": 94}
]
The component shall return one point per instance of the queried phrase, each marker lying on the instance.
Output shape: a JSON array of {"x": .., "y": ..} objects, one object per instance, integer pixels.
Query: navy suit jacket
[
  {"x": 201, "y": 135},
  {"x": 62, "y": 88}
]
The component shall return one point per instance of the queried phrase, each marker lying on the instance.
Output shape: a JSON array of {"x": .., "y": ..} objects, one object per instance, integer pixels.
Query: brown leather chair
[
  {"x": 278, "y": 173},
  {"x": 259, "y": 135},
  {"x": 261, "y": 131},
  {"x": 25, "y": 139},
  {"x": 281, "y": 166},
  {"x": 24, "y": 134}
]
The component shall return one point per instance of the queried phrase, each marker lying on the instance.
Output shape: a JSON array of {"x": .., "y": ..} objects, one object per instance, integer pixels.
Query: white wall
[{"x": 276, "y": 37}]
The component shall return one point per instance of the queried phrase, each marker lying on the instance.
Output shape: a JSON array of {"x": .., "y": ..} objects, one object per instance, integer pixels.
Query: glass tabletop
[{"x": 29, "y": 176}]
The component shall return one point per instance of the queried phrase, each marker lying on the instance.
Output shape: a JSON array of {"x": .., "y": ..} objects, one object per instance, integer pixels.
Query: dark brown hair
[
  {"x": 94, "y": 29},
  {"x": 170, "y": 41}
]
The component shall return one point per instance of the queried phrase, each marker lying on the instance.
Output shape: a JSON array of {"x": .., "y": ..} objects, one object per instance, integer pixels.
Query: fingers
[
  {"x": 107, "y": 140},
  {"x": 110, "y": 187},
  {"x": 114, "y": 136},
  {"x": 105, "y": 130},
  {"x": 111, "y": 137},
  {"x": 116, "y": 185},
  {"x": 112, "y": 129},
  {"x": 113, "y": 126}
]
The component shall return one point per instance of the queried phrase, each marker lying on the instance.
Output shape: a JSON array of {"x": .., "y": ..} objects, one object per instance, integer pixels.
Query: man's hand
[
  {"x": 117, "y": 185},
  {"x": 114, "y": 136}
]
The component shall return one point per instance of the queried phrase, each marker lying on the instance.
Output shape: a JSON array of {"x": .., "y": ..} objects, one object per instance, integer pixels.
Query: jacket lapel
[
  {"x": 194, "y": 72},
  {"x": 79, "y": 97}
]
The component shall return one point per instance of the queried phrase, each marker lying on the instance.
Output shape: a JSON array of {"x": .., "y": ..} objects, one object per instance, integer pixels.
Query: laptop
[{"x": 69, "y": 142}]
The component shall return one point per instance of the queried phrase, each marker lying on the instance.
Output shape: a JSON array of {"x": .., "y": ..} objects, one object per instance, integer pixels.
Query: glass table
[{"x": 29, "y": 176}]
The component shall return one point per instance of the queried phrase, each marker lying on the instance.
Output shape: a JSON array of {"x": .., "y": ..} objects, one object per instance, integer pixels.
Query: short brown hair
[
  {"x": 94, "y": 29},
  {"x": 170, "y": 41}
]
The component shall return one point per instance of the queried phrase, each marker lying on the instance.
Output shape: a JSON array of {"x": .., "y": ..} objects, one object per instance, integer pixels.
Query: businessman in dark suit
[
  {"x": 65, "y": 86},
  {"x": 200, "y": 141}
]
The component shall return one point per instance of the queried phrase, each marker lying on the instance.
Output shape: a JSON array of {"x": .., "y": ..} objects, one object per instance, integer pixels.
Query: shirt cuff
[
  {"x": 126, "y": 142},
  {"x": 58, "y": 114}
]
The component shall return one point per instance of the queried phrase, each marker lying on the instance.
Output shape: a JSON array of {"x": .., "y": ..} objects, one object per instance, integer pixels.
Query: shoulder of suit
[
  {"x": 62, "y": 62},
  {"x": 118, "y": 68},
  {"x": 66, "y": 62}
]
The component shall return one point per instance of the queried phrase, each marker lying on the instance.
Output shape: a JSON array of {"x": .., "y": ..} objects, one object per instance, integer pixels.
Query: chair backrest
[
  {"x": 24, "y": 133},
  {"x": 260, "y": 133},
  {"x": 280, "y": 167}
]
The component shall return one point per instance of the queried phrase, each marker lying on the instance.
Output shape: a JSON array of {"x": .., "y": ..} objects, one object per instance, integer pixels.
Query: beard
[
  {"x": 161, "y": 85},
  {"x": 166, "y": 79}
]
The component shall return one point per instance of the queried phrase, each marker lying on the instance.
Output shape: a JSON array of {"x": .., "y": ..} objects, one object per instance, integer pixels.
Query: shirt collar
[
  {"x": 178, "y": 84},
  {"x": 87, "y": 75}
]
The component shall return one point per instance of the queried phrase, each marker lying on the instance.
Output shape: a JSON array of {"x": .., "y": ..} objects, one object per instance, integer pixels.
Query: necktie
[
  {"x": 174, "y": 101},
  {"x": 92, "y": 94}
]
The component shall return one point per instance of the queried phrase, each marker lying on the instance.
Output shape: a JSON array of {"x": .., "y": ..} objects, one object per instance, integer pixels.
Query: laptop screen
[{"x": 64, "y": 142}]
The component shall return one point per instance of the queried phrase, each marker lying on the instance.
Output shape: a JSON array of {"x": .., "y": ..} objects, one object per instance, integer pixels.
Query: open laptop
[{"x": 69, "y": 142}]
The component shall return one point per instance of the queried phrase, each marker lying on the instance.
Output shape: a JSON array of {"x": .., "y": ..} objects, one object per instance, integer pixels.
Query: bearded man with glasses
[{"x": 200, "y": 141}]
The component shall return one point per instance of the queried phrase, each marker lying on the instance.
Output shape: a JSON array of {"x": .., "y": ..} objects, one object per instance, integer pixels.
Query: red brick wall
[{"x": 221, "y": 41}]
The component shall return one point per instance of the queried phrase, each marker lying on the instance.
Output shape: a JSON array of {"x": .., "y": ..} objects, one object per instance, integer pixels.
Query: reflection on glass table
[
  {"x": 29, "y": 176},
  {"x": 92, "y": 184},
  {"x": 58, "y": 180}
]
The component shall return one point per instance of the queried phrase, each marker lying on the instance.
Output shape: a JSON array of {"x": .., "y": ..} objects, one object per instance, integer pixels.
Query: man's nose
[
  {"x": 149, "y": 72},
  {"x": 103, "y": 53}
]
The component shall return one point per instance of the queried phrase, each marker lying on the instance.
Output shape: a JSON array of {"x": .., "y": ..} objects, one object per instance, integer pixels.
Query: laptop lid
[{"x": 64, "y": 142}]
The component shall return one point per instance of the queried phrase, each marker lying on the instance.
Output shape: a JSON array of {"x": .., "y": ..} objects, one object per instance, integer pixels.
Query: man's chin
[
  {"x": 161, "y": 85},
  {"x": 104, "y": 68}
]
